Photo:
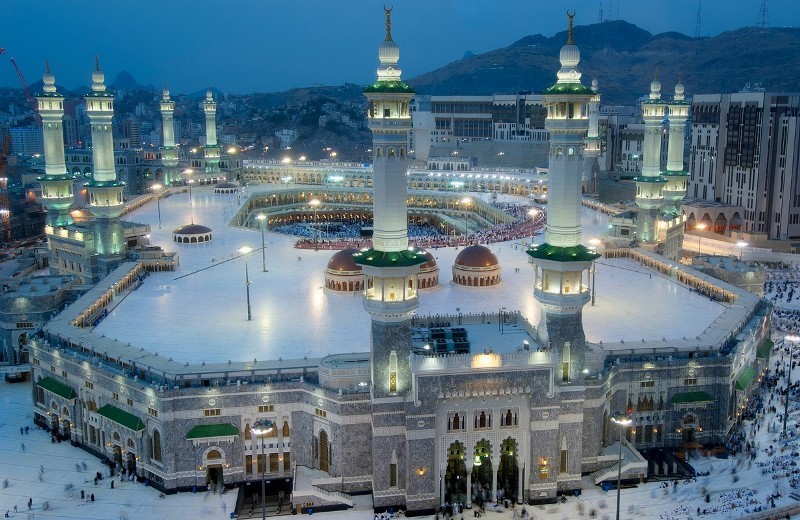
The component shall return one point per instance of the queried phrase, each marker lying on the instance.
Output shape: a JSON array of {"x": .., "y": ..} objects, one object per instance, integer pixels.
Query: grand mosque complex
[{"x": 209, "y": 350}]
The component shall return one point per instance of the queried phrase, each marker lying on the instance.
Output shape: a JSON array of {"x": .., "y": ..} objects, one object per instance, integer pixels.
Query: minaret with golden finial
[
  {"x": 677, "y": 178},
  {"x": 650, "y": 183},
  {"x": 211, "y": 150},
  {"x": 562, "y": 261},
  {"x": 57, "y": 183},
  {"x": 105, "y": 191},
  {"x": 169, "y": 152},
  {"x": 391, "y": 268}
]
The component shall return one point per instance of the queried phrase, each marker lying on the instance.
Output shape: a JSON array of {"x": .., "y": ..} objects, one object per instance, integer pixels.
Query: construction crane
[
  {"x": 699, "y": 14},
  {"x": 31, "y": 101}
]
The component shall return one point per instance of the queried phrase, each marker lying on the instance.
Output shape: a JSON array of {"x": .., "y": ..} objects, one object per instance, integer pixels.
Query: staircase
[{"x": 632, "y": 462}]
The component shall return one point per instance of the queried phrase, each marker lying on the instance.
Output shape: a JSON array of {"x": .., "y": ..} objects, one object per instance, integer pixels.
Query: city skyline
[{"x": 301, "y": 44}]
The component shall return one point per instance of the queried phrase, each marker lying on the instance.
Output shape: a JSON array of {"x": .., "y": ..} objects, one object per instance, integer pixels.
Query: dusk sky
[{"x": 268, "y": 45}]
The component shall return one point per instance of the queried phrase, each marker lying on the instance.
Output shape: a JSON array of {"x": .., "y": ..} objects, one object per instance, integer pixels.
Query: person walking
[{"x": 30, "y": 504}]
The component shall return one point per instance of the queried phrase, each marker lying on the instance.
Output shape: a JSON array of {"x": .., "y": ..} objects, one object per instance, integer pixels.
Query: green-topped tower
[
  {"x": 57, "y": 183},
  {"x": 168, "y": 150},
  {"x": 211, "y": 149},
  {"x": 650, "y": 184},
  {"x": 390, "y": 268},
  {"x": 677, "y": 178},
  {"x": 561, "y": 262},
  {"x": 105, "y": 191}
]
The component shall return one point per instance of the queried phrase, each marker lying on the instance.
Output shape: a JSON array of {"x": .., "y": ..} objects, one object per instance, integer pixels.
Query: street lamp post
[
  {"x": 594, "y": 242},
  {"x": 623, "y": 421},
  {"x": 792, "y": 338},
  {"x": 701, "y": 227},
  {"x": 315, "y": 203},
  {"x": 157, "y": 191},
  {"x": 533, "y": 213},
  {"x": 263, "y": 218},
  {"x": 466, "y": 201},
  {"x": 261, "y": 428},
  {"x": 741, "y": 245},
  {"x": 244, "y": 251}
]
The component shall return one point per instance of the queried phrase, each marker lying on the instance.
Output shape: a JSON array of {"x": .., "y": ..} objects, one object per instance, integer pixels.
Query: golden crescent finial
[
  {"x": 680, "y": 77},
  {"x": 96, "y": 62},
  {"x": 570, "y": 15},
  {"x": 47, "y": 66},
  {"x": 388, "y": 11},
  {"x": 655, "y": 76}
]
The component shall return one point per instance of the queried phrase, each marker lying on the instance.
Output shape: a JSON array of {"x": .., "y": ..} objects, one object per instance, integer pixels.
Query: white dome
[
  {"x": 209, "y": 95},
  {"x": 570, "y": 55},
  {"x": 389, "y": 52},
  {"x": 49, "y": 80},
  {"x": 679, "y": 92},
  {"x": 595, "y": 85},
  {"x": 655, "y": 89}
]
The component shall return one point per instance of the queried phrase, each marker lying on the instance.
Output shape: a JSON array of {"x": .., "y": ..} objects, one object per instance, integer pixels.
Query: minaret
[
  {"x": 591, "y": 151},
  {"x": 169, "y": 153},
  {"x": 105, "y": 191},
  {"x": 677, "y": 179},
  {"x": 391, "y": 271},
  {"x": 211, "y": 149},
  {"x": 650, "y": 183},
  {"x": 562, "y": 261},
  {"x": 57, "y": 183}
]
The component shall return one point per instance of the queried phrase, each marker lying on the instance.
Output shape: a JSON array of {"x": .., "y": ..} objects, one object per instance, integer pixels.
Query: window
[
  {"x": 648, "y": 384},
  {"x": 130, "y": 402},
  {"x": 152, "y": 412},
  {"x": 156, "y": 455},
  {"x": 544, "y": 468},
  {"x": 248, "y": 464},
  {"x": 212, "y": 412},
  {"x": 115, "y": 396},
  {"x": 320, "y": 413},
  {"x": 64, "y": 374},
  {"x": 392, "y": 475},
  {"x": 89, "y": 385},
  {"x": 52, "y": 369},
  {"x": 563, "y": 465},
  {"x": 37, "y": 362},
  {"x": 690, "y": 381},
  {"x": 266, "y": 408}
]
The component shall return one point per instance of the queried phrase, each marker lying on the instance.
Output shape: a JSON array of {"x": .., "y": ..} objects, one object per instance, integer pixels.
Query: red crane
[{"x": 28, "y": 95}]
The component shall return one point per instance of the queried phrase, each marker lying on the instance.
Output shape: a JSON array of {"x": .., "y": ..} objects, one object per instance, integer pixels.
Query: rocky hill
[{"x": 624, "y": 57}]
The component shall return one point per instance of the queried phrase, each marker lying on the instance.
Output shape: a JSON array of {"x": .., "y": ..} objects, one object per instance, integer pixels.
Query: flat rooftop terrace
[{"x": 198, "y": 313}]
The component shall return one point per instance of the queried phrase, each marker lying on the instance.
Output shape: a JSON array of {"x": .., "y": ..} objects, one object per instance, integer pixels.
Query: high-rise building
[
  {"x": 27, "y": 140},
  {"x": 744, "y": 155}
]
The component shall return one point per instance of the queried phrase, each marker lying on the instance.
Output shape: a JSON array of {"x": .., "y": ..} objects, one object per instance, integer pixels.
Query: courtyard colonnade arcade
[
  {"x": 293, "y": 205},
  {"x": 492, "y": 181}
]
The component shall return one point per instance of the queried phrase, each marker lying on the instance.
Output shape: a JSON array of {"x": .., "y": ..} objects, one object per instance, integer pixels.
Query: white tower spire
[
  {"x": 591, "y": 151},
  {"x": 562, "y": 261},
  {"x": 390, "y": 267},
  {"x": 677, "y": 179},
  {"x": 649, "y": 184},
  {"x": 105, "y": 191},
  {"x": 57, "y": 187},
  {"x": 211, "y": 149},
  {"x": 169, "y": 152}
]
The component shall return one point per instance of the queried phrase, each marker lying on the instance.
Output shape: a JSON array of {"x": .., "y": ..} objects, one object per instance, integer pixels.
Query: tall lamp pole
[
  {"x": 466, "y": 201},
  {"x": 741, "y": 245},
  {"x": 263, "y": 218},
  {"x": 623, "y": 421},
  {"x": 244, "y": 251},
  {"x": 701, "y": 227},
  {"x": 261, "y": 428},
  {"x": 315, "y": 203},
  {"x": 157, "y": 191},
  {"x": 792, "y": 338},
  {"x": 594, "y": 242}
]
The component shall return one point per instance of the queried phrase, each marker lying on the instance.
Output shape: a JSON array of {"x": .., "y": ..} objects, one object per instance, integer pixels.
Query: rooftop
[{"x": 198, "y": 314}]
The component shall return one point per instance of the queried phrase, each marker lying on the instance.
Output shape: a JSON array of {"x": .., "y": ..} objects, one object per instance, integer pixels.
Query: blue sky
[{"x": 271, "y": 45}]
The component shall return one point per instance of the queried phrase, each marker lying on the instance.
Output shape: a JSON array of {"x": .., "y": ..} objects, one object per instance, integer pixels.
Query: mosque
[{"x": 419, "y": 409}]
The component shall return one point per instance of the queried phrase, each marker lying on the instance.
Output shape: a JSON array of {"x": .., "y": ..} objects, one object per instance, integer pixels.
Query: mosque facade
[{"x": 415, "y": 428}]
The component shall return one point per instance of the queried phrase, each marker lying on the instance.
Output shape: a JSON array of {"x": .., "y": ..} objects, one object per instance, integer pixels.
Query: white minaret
[
  {"x": 391, "y": 271},
  {"x": 677, "y": 179},
  {"x": 57, "y": 183},
  {"x": 211, "y": 149},
  {"x": 591, "y": 150},
  {"x": 169, "y": 152},
  {"x": 105, "y": 191},
  {"x": 650, "y": 183},
  {"x": 562, "y": 261}
]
